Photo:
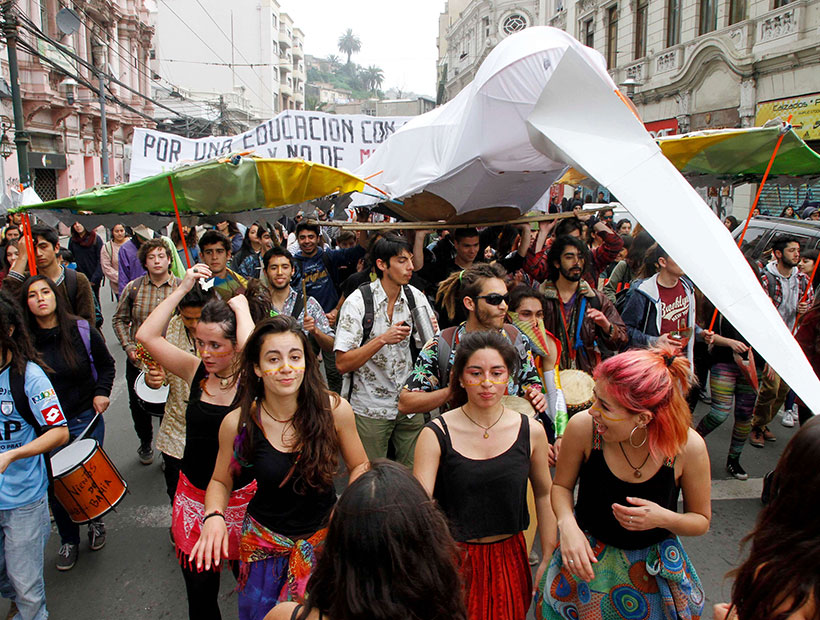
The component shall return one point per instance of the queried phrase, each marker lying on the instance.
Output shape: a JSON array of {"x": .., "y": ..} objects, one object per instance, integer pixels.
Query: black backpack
[{"x": 370, "y": 314}]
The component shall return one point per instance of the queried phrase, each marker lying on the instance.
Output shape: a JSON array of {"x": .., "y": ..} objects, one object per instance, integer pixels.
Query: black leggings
[{"x": 203, "y": 592}]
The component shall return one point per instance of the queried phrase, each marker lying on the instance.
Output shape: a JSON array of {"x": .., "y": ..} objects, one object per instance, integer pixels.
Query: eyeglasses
[{"x": 494, "y": 299}]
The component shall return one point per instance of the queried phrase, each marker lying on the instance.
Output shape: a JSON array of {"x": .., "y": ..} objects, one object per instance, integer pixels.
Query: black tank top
[
  {"x": 599, "y": 488},
  {"x": 202, "y": 421},
  {"x": 483, "y": 497},
  {"x": 293, "y": 508},
  {"x": 296, "y": 611}
]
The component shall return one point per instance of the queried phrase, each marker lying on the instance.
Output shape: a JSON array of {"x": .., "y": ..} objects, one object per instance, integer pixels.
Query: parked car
[{"x": 764, "y": 228}]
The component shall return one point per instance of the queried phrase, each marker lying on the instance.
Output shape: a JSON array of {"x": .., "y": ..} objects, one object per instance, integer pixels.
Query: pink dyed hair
[{"x": 654, "y": 380}]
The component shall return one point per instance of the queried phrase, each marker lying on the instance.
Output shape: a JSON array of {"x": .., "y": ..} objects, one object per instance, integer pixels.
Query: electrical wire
[{"x": 205, "y": 43}]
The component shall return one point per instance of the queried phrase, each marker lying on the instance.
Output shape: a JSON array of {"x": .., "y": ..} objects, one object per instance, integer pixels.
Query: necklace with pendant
[
  {"x": 486, "y": 428},
  {"x": 637, "y": 470},
  {"x": 223, "y": 381}
]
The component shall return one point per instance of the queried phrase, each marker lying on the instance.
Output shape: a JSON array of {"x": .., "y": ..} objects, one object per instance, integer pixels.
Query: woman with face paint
[
  {"x": 288, "y": 432},
  {"x": 475, "y": 461},
  {"x": 220, "y": 333},
  {"x": 631, "y": 455}
]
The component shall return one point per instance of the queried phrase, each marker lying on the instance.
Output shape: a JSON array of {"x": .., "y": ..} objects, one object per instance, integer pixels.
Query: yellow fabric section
[
  {"x": 680, "y": 150},
  {"x": 291, "y": 181}
]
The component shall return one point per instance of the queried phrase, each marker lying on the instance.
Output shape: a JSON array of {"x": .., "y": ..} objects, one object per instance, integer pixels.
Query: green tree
[
  {"x": 349, "y": 44},
  {"x": 334, "y": 61},
  {"x": 373, "y": 77}
]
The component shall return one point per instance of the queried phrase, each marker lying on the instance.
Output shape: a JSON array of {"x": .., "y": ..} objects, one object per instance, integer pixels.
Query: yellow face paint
[
  {"x": 273, "y": 371},
  {"x": 200, "y": 351},
  {"x": 475, "y": 381},
  {"x": 605, "y": 415}
]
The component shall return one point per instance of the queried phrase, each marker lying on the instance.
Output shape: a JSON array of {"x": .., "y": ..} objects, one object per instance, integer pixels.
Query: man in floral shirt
[
  {"x": 482, "y": 292},
  {"x": 376, "y": 369}
]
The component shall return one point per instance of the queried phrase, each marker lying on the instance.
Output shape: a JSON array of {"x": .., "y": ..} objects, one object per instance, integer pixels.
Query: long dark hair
[
  {"x": 476, "y": 341},
  {"x": 466, "y": 283},
  {"x": 66, "y": 321},
  {"x": 780, "y": 575},
  {"x": 318, "y": 445},
  {"x": 15, "y": 337},
  {"x": 388, "y": 554}
]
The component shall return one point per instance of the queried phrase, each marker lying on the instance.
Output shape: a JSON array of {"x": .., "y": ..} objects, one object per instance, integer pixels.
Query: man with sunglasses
[
  {"x": 483, "y": 294},
  {"x": 582, "y": 317}
]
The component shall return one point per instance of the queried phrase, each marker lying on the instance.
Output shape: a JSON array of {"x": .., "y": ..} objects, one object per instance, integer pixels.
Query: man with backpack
[
  {"x": 278, "y": 266},
  {"x": 482, "y": 293},
  {"x": 373, "y": 336},
  {"x": 74, "y": 285},
  {"x": 139, "y": 298},
  {"x": 585, "y": 321},
  {"x": 320, "y": 268}
]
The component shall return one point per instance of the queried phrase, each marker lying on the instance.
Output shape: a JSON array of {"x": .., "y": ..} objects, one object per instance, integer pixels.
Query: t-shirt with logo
[
  {"x": 26, "y": 480},
  {"x": 674, "y": 308}
]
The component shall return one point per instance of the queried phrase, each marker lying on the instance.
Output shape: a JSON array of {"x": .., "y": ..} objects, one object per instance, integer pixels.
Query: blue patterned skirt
[{"x": 654, "y": 583}]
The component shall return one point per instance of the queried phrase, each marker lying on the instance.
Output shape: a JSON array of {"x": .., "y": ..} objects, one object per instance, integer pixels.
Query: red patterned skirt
[
  {"x": 497, "y": 579},
  {"x": 189, "y": 508}
]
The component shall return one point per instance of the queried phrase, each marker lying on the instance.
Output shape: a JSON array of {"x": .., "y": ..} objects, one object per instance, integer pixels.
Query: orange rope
[
  {"x": 179, "y": 223},
  {"x": 757, "y": 198}
]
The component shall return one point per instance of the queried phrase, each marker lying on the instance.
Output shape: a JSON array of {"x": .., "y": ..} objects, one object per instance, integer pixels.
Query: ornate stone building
[
  {"x": 62, "y": 117},
  {"x": 687, "y": 64}
]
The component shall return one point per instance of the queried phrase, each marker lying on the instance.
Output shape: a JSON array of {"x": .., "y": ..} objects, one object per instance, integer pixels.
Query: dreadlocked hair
[
  {"x": 317, "y": 444},
  {"x": 466, "y": 283},
  {"x": 15, "y": 338},
  {"x": 260, "y": 302}
]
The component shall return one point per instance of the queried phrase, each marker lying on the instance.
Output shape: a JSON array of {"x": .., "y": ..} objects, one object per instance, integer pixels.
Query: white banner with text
[{"x": 338, "y": 140}]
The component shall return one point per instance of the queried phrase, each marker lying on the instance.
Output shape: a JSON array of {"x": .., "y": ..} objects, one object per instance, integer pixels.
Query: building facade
[
  {"x": 244, "y": 58},
  {"x": 386, "y": 107},
  {"x": 61, "y": 113},
  {"x": 688, "y": 65}
]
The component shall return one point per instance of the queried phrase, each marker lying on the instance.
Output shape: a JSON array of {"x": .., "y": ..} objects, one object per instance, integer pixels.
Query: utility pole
[
  {"x": 103, "y": 130},
  {"x": 21, "y": 138}
]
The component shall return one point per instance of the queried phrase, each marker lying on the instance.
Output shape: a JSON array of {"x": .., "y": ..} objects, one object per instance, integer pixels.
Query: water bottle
[{"x": 424, "y": 327}]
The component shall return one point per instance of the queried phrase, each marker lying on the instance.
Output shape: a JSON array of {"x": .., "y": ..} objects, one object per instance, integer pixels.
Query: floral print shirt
[
  {"x": 425, "y": 376},
  {"x": 376, "y": 385}
]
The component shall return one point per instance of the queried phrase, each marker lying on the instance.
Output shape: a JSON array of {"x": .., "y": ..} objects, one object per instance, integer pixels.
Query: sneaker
[
  {"x": 534, "y": 559},
  {"x": 704, "y": 396},
  {"x": 145, "y": 454},
  {"x": 96, "y": 535},
  {"x": 734, "y": 469},
  {"x": 756, "y": 438},
  {"x": 768, "y": 435},
  {"x": 789, "y": 418},
  {"x": 67, "y": 556}
]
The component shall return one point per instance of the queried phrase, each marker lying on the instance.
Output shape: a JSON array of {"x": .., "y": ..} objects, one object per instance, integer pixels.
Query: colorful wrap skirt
[
  {"x": 497, "y": 579},
  {"x": 189, "y": 509},
  {"x": 654, "y": 583},
  {"x": 274, "y": 569}
]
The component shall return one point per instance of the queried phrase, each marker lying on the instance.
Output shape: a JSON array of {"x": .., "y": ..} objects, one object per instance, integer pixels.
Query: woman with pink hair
[{"x": 632, "y": 454}]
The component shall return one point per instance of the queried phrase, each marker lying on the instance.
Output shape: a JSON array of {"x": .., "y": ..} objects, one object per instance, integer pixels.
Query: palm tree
[
  {"x": 374, "y": 77},
  {"x": 349, "y": 44},
  {"x": 334, "y": 60}
]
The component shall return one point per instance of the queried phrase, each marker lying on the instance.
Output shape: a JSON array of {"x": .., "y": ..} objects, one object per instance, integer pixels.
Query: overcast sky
[{"x": 399, "y": 37}]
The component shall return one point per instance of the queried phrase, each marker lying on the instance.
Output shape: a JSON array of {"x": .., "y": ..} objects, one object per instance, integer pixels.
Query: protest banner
[{"x": 338, "y": 140}]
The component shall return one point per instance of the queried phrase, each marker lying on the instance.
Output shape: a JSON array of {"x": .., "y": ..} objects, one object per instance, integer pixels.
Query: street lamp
[
  {"x": 630, "y": 84},
  {"x": 6, "y": 148}
]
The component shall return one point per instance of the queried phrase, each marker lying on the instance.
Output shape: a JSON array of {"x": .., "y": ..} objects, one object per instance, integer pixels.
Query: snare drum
[
  {"x": 86, "y": 482},
  {"x": 153, "y": 399}
]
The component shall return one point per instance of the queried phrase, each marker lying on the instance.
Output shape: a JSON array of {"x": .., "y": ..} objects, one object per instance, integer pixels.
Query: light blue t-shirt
[{"x": 26, "y": 480}]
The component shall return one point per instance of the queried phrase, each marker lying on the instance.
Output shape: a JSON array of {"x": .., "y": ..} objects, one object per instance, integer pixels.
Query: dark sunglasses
[{"x": 494, "y": 299}]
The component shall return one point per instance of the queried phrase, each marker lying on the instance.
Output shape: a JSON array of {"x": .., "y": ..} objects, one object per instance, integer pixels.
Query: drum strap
[{"x": 17, "y": 385}]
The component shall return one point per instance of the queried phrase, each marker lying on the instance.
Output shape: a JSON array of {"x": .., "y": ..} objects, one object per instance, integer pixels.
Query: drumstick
[
  {"x": 304, "y": 298},
  {"x": 88, "y": 428}
]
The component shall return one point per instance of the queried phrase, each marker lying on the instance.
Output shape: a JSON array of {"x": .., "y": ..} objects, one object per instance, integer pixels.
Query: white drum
[{"x": 148, "y": 394}]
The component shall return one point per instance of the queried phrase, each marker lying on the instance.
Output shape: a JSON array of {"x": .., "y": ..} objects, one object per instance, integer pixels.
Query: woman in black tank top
[
  {"x": 389, "y": 555},
  {"x": 220, "y": 334},
  {"x": 287, "y": 432},
  {"x": 476, "y": 461},
  {"x": 631, "y": 454}
]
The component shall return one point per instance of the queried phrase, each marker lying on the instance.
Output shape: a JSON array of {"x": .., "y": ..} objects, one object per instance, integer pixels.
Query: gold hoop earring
[{"x": 645, "y": 437}]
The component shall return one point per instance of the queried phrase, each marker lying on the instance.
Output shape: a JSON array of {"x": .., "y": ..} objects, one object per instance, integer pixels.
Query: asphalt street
[{"x": 136, "y": 575}]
